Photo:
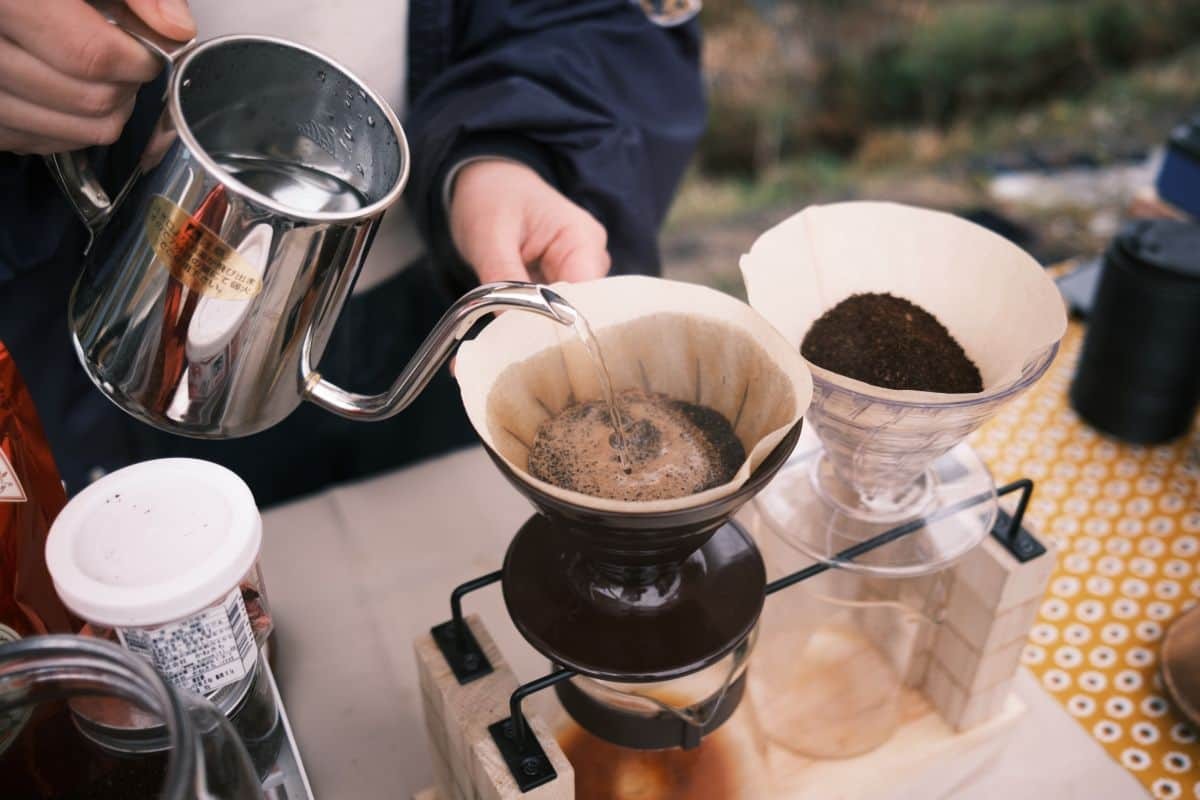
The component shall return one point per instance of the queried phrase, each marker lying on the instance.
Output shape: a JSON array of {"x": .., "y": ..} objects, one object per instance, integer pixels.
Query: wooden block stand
[
  {"x": 925, "y": 759},
  {"x": 466, "y": 763},
  {"x": 952, "y": 721}
]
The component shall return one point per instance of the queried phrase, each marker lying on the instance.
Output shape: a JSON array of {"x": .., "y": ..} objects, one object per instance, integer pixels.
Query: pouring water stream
[{"x": 584, "y": 331}]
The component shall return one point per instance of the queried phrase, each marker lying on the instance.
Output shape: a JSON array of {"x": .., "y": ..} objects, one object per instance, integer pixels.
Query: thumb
[{"x": 171, "y": 18}]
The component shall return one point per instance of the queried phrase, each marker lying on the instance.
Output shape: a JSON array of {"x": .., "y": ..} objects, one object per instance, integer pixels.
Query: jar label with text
[{"x": 209, "y": 650}]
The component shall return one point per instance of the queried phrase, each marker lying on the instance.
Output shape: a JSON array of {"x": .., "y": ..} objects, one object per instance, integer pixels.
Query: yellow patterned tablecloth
[{"x": 1127, "y": 523}]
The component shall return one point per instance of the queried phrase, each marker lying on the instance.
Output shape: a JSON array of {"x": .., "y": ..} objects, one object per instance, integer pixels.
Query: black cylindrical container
[{"x": 1138, "y": 377}]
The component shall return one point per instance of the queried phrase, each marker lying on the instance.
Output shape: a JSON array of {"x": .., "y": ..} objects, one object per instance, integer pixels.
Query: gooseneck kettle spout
[{"x": 437, "y": 347}]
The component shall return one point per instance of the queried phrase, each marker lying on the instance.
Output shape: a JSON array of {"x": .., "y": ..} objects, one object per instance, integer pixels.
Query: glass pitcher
[
  {"x": 45, "y": 754},
  {"x": 837, "y": 652}
]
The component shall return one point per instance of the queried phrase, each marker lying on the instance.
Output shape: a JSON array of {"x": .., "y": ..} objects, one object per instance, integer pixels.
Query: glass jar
[
  {"x": 162, "y": 558},
  {"x": 43, "y": 679}
]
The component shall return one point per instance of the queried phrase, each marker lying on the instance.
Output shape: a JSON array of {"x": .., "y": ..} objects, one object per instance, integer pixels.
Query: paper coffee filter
[
  {"x": 993, "y": 297},
  {"x": 685, "y": 341}
]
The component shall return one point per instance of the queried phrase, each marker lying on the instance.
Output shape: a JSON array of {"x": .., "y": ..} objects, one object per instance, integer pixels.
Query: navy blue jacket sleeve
[{"x": 599, "y": 100}]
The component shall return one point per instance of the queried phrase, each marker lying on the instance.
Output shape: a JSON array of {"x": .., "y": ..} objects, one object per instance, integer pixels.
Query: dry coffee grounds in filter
[{"x": 890, "y": 342}]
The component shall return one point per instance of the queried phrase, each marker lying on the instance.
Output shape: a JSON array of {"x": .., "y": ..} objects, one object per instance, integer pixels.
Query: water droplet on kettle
[
  {"x": 321, "y": 75},
  {"x": 359, "y": 167},
  {"x": 347, "y": 104},
  {"x": 187, "y": 82},
  {"x": 362, "y": 95},
  {"x": 370, "y": 120}
]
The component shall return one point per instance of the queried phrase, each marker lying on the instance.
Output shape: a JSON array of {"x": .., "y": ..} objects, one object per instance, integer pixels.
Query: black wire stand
[{"x": 522, "y": 752}]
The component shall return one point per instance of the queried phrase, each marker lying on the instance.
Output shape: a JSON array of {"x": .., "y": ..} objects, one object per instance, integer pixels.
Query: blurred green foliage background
[
  {"x": 931, "y": 102},
  {"x": 788, "y": 76}
]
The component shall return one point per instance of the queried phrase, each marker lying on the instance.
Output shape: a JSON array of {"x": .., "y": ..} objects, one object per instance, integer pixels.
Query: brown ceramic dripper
[
  {"x": 652, "y": 603},
  {"x": 682, "y": 587}
]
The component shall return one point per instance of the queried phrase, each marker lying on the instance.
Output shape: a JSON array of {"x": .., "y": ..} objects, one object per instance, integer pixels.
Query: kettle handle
[
  {"x": 72, "y": 171},
  {"x": 434, "y": 351}
]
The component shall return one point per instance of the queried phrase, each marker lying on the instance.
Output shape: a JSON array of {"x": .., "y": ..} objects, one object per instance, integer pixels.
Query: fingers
[
  {"x": 39, "y": 122},
  {"x": 487, "y": 233},
  {"x": 171, "y": 18},
  {"x": 577, "y": 252},
  {"x": 488, "y": 238},
  {"x": 502, "y": 267},
  {"x": 24, "y": 76},
  {"x": 68, "y": 78},
  {"x": 74, "y": 39},
  {"x": 505, "y": 217}
]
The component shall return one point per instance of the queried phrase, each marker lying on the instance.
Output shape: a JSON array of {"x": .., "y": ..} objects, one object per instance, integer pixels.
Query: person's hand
[
  {"x": 510, "y": 225},
  {"x": 67, "y": 77}
]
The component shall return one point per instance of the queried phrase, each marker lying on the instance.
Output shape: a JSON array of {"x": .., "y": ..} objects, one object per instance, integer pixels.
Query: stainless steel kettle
[{"x": 215, "y": 275}]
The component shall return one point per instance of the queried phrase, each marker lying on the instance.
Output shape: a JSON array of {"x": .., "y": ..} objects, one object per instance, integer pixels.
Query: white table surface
[{"x": 355, "y": 573}]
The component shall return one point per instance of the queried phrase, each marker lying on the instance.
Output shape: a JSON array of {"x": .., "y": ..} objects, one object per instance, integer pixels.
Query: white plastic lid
[{"x": 154, "y": 542}]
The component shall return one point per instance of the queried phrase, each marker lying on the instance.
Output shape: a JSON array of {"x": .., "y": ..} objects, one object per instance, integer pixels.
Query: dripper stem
[{"x": 626, "y": 575}]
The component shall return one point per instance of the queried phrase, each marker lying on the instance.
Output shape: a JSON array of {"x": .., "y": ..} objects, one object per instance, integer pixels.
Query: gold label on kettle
[{"x": 197, "y": 257}]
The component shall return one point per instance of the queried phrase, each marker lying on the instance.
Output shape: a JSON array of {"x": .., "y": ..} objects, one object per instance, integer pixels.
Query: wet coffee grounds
[
  {"x": 672, "y": 449},
  {"x": 889, "y": 342}
]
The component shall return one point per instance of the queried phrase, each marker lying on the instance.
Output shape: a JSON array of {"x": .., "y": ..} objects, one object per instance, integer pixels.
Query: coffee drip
[{"x": 604, "y": 771}]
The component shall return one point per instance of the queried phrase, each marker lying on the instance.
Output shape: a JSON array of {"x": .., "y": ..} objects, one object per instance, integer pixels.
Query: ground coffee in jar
[
  {"x": 892, "y": 343},
  {"x": 162, "y": 557}
]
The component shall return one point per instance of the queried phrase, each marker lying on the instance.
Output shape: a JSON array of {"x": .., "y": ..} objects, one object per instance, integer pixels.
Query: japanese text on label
[
  {"x": 197, "y": 257},
  {"x": 203, "y": 652}
]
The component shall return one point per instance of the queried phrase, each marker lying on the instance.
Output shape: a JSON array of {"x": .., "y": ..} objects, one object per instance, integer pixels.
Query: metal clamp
[
  {"x": 454, "y": 638},
  {"x": 1008, "y": 530},
  {"x": 519, "y": 747}
]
